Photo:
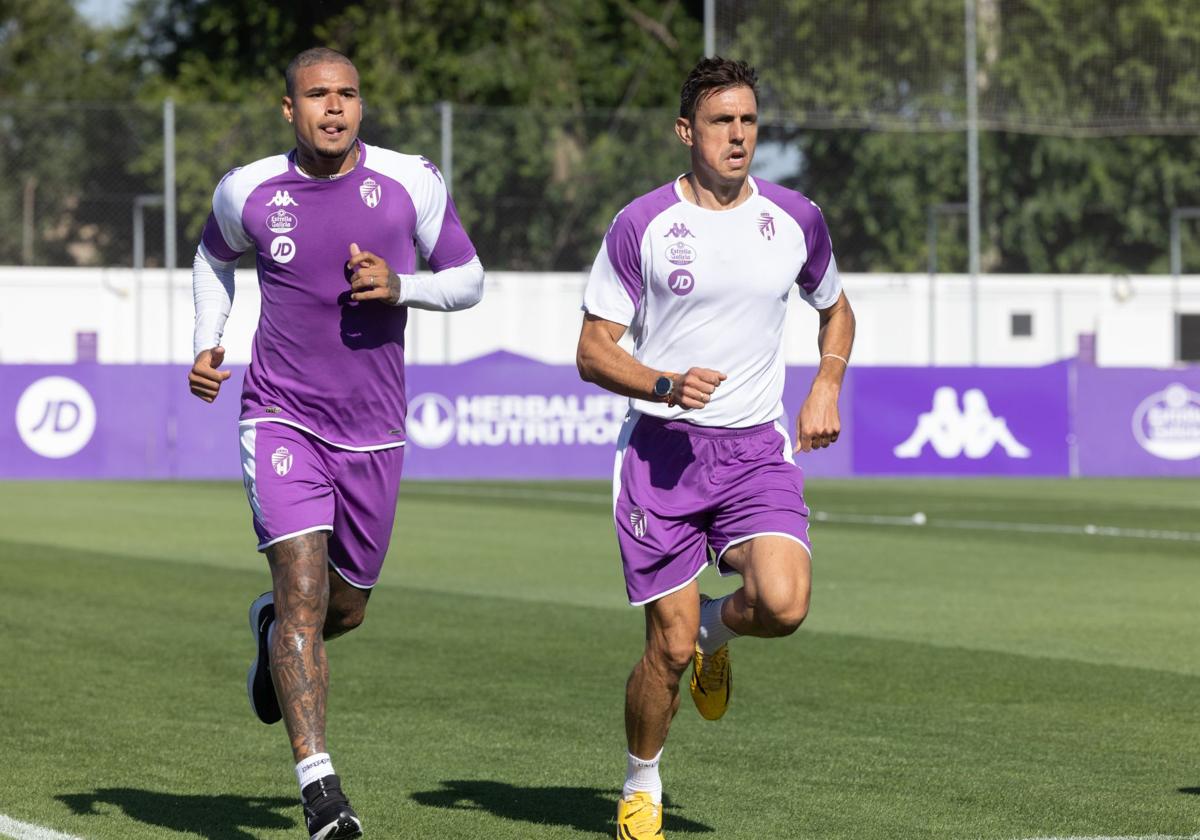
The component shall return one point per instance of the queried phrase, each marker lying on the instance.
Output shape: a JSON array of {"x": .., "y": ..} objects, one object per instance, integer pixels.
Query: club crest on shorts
[
  {"x": 371, "y": 192},
  {"x": 281, "y": 460},
  {"x": 638, "y": 519}
]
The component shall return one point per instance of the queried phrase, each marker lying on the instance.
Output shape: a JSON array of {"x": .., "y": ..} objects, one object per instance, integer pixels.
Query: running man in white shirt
[{"x": 699, "y": 271}]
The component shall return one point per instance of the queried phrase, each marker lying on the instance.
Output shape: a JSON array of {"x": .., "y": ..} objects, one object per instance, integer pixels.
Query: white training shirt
[{"x": 709, "y": 288}]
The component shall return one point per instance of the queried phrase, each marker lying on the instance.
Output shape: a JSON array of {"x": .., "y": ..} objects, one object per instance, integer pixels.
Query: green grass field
[{"x": 954, "y": 680}]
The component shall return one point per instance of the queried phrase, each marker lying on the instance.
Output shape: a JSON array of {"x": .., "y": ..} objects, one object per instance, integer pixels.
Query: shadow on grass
[
  {"x": 225, "y": 817},
  {"x": 1194, "y": 791},
  {"x": 584, "y": 809}
]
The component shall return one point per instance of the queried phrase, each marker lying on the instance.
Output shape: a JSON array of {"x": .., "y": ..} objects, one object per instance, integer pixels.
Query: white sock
[
  {"x": 641, "y": 775},
  {"x": 713, "y": 632},
  {"x": 316, "y": 766}
]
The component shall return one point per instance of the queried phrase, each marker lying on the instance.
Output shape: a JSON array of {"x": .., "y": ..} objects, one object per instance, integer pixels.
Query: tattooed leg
[{"x": 299, "y": 568}]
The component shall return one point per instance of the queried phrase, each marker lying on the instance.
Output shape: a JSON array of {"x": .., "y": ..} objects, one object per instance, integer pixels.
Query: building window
[
  {"x": 1189, "y": 338},
  {"x": 1022, "y": 324}
]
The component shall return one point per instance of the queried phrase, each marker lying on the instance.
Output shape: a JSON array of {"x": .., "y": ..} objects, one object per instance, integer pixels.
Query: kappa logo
[
  {"x": 766, "y": 226},
  {"x": 282, "y": 198},
  {"x": 972, "y": 431},
  {"x": 638, "y": 521},
  {"x": 679, "y": 231},
  {"x": 428, "y": 164},
  {"x": 371, "y": 192},
  {"x": 281, "y": 460}
]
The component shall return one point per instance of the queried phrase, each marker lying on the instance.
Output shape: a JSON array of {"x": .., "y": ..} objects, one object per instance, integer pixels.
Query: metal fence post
[
  {"x": 169, "y": 217},
  {"x": 1177, "y": 214},
  {"x": 710, "y": 28},
  {"x": 931, "y": 233},
  {"x": 447, "y": 110},
  {"x": 973, "y": 173}
]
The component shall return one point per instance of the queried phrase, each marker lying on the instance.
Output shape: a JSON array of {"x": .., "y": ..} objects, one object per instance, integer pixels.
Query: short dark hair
[
  {"x": 711, "y": 75},
  {"x": 316, "y": 55}
]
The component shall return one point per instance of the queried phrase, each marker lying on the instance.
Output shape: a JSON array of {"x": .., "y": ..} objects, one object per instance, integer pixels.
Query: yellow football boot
[
  {"x": 639, "y": 818},
  {"x": 712, "y": 682}
]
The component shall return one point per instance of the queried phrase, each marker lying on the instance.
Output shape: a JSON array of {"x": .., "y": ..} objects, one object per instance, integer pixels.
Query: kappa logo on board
[{"x": 972, "y": 431}]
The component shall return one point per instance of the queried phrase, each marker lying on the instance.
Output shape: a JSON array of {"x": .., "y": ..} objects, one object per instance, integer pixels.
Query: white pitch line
[
  {"x": 922, "y": 521},
  {"x": 910, "y": 521},
  {"x": 28, "y": 831}
]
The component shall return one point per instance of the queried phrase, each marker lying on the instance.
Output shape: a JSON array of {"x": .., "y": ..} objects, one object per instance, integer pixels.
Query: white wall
[{"x": 42, "y": 310}]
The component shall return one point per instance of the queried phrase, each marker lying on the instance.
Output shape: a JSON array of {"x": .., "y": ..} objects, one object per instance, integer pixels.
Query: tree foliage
[{"x": 562, "y": 112}]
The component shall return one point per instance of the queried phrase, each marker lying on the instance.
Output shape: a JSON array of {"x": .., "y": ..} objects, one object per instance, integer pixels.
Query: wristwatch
[{"x": 663, "y": 387}]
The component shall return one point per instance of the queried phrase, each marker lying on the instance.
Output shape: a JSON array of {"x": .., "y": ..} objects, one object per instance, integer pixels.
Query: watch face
[{"x": 662, "y": 386}]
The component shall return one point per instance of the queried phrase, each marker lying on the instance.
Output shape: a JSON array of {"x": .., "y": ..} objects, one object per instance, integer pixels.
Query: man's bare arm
[
  {"x": 818, "y": 424},
  {"x": 602, "y": 360}
]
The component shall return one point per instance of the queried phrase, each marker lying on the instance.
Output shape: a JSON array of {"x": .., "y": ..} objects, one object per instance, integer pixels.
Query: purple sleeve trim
[
  {"x": 820, "y": 251},
  {"x": 623, "y": 243},
  {"x": 454, "y": 247},
  {"x": 812, "y": 223},
  {"x": 215, "y": 243}
]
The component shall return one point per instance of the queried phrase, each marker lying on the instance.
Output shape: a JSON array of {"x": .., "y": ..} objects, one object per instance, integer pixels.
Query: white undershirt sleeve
[
  {"x": 212, "y": 292},
  {"x": 449, "y": 290}
]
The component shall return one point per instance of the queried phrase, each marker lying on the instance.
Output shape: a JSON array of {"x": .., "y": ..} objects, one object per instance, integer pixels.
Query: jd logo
[
  {"x": 681, "y": 281},
  {"x": 282, "y": 249},
  {"x": 56, "y": 417},
  {"x": 951, "y": 432},
  {"x": 430, "y": 421}
]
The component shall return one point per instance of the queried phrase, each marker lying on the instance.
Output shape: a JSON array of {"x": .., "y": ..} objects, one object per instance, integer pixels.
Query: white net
[{"x": 1072, "y": 67}]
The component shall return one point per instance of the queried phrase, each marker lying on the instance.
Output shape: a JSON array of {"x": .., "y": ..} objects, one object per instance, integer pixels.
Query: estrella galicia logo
[
  {"x": 281, "y": 221},
  {"x": 637, "y": 521},
  {"x": 281, "y": 460},
  {"x": 680, "y": 253},
  {"x": 56, "y": 417},
  {"x": 371, "y": 192},
  {"x": 1167, "y": 424},
  {"x": 679, "y": 231},
  {"x": 681, "y": 281},
  {"x": 431, "y": 421},
  {"x": 283, "y": 249}
]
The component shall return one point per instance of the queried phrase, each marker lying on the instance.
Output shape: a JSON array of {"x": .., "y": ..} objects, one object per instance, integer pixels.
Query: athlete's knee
[
  {"x": 343, "y": 618},
  {"x": 783, "y": 618},
  {"x": 671, "y": 654}
]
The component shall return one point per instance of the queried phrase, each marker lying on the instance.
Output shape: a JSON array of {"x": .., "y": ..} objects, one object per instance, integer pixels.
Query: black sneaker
[
  {"x": 259, "y": 687},
  {"x": 328, "y": 812}
]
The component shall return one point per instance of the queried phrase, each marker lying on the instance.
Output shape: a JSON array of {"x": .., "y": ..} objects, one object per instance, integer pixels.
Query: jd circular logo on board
[
  {"x": 1167, "y": 424},
  {"x": 56, "y": 417},
  {"x": 430, "y": 422}
]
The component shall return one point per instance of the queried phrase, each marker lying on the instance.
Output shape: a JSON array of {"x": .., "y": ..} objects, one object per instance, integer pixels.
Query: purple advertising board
[
  {"x": 962, "y": 421},
  {"x": 1138, "y": 422},
  {"x": 506, "y": 416}
]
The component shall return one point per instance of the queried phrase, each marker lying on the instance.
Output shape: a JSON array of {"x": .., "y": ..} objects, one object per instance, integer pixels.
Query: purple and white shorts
[
  {"x": 683, "y": 493},
  {"x": 298, "y": 483}
]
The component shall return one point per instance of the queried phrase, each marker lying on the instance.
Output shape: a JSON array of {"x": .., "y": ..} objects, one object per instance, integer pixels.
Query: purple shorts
[
  {"x": 682, "y": 491},
  {"x": 297, "y": 483}
]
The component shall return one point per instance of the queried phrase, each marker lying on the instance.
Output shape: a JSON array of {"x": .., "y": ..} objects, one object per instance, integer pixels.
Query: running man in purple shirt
[
  {"x": 335, "y": 226},
  {"x": 699, "y": 272}
]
